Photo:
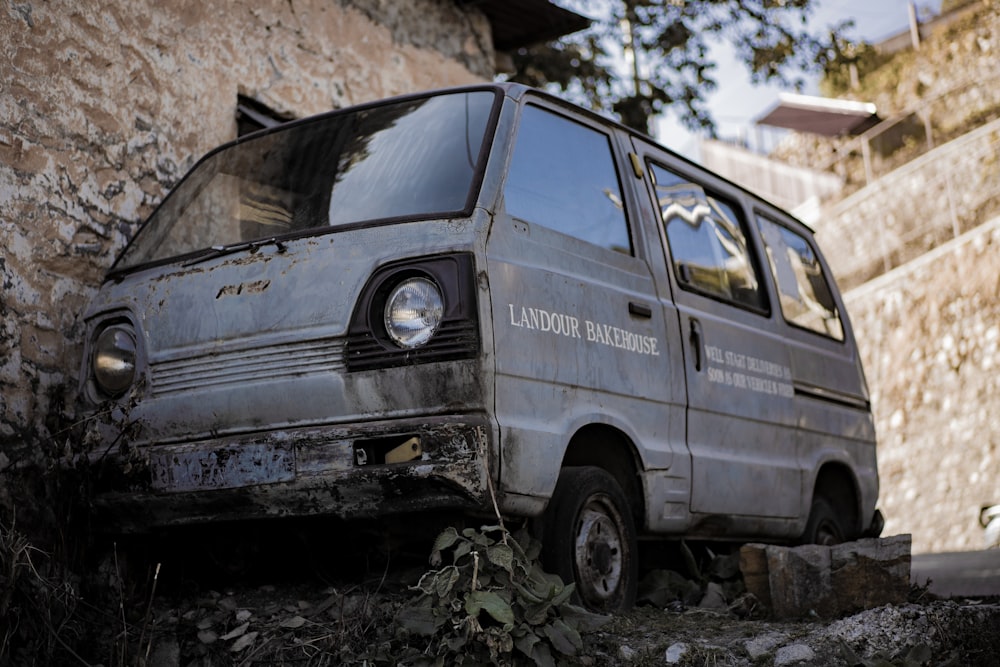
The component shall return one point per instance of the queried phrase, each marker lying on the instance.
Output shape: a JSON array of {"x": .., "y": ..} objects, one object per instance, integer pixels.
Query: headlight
[
  {"x": 114, "y": 360},
  {"x": 413, "y": 312}
]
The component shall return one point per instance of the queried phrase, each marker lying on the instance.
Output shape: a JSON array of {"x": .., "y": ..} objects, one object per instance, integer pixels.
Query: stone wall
[
  {"x": 103, "y": 106},
  {"x": 930, "y": 338},
  {"x": 951, "y": 84},
  {"x": 913, "y": 209},
  {"x": 929, "y": 329}
]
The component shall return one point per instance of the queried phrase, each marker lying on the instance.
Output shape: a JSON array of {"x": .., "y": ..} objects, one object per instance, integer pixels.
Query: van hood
[
  {"x": 205, "y": 306},
  {"x": 256, "y": 339}
]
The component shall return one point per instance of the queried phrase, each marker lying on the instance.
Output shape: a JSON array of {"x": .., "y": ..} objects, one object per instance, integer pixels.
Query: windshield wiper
[{"x": 220, "y": 250}]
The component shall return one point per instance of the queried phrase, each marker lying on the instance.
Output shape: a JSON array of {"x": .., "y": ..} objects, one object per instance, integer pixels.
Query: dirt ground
[{"x": 216, "y": 597}]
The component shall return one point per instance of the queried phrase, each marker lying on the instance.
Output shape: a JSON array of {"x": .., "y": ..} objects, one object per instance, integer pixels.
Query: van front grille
[
  {"x": 237, "y": 365},
  {"x": 455, "y": 339}
]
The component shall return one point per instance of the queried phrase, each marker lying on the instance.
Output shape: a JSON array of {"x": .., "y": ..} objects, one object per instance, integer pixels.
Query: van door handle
[
  {"x": 695, "y": 340},
  {"x": 639, "y": 309}
]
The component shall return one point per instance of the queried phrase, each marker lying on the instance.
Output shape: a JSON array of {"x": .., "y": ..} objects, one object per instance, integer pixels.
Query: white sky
[{"x": 736, "y": 103}]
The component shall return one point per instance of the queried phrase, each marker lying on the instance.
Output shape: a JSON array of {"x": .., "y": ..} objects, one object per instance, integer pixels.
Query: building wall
[
  {"x": 103, "y": 106},
  {"x": 929, "y": 333},
  {"x": 783, "y": 184}
]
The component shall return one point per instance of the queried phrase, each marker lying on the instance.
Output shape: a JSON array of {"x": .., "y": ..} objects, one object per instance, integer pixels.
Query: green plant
[{"x": 490, "y": 602}]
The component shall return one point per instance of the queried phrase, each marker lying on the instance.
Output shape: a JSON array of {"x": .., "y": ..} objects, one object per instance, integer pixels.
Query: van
[{"x": 479, "y": 299}]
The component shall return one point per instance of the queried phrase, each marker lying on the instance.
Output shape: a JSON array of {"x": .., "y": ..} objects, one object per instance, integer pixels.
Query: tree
[{"x": 666, "y": 45}]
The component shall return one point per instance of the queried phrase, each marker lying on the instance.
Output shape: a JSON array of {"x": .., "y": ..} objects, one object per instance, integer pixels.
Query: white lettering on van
[
  {"x": 605, "y": 334},
  {"x": 761, "y": 377},
  {"x": 544, "y": 320},
  {"x": 562, "y": 324}
]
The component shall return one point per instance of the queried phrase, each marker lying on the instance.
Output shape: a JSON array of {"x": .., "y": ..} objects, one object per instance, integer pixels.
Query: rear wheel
[
  {"x": 825, "y": 526},
  {"x": 589, "y": 538}
]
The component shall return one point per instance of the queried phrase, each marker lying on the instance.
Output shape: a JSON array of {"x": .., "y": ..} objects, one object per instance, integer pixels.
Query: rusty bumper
[{"x": 354, "y": 472}]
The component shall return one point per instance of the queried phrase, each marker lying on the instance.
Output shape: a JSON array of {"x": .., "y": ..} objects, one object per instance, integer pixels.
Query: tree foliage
[{"x": 672, "y": 44}]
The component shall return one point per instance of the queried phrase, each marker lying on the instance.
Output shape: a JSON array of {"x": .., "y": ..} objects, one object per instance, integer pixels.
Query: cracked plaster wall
[{"x": 103, "y": 106}]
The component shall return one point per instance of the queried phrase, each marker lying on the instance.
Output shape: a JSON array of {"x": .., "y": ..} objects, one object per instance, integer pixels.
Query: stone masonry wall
[
  {"x": 930, "y": 339},
  {"x": 928, "y": 330},
  {"x": 915, "y": 208},
  {"x": 103, "y": 106},
  {"x": 952, "y": 82}
]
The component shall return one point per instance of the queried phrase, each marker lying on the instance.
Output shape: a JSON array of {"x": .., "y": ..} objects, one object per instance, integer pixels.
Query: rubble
[{"x": 310, "y": 606}]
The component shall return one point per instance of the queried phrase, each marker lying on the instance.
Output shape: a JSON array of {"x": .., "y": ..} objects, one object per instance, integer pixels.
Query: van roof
[{"x": 518, "y": 91}]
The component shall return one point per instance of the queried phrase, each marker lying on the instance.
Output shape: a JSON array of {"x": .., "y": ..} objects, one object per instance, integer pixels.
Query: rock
[
  {"x": 828, "y": 581},
  {"x": 870, "y": 573},
  {"x": 753, "y": 565},
  {"x": 676, "y": 652},
  {"x": 795, "y": 653},
  {"x": 764, "y": 644},
  {"x": 714, "y": 597},
  {"x": 800, "y": 581}
]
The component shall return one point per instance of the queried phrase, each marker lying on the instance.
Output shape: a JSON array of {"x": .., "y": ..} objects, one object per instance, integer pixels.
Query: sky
[{"x": 736, "y": 103}]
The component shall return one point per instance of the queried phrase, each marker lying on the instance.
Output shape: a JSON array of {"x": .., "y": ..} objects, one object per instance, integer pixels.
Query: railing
[{"x": 908, "y": 211}]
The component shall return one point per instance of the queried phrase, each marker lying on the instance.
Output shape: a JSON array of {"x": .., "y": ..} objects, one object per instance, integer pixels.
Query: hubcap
[{"x": 598, "y": 551}]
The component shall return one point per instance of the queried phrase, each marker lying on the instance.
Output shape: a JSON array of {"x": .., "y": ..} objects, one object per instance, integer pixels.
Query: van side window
[
  {"x": 806, "y": 299},
  {"x": 707, "y": 241},
  {"x": 563, "y": 177}
]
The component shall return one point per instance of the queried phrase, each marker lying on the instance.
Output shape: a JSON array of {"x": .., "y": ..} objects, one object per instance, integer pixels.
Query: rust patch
[
  {"x": 300, "y": 474},
  {"x": 255, "y": 287}
]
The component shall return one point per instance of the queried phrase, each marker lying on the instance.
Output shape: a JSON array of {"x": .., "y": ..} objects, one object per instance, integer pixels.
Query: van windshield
[{"x": 412, "y": 159}]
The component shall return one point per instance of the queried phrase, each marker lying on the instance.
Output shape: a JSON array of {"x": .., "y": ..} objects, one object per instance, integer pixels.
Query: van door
[
  {"x": 831, "y": 396},
  {"x": 741, "y": 427},
  {"x": 577, "y": 338}
]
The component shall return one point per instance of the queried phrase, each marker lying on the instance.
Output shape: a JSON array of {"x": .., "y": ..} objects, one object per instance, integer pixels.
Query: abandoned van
[{"x": 472, "y": 299}]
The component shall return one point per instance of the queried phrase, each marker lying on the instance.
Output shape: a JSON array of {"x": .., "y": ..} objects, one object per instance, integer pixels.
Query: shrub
[{"x": 490, "y": 602}]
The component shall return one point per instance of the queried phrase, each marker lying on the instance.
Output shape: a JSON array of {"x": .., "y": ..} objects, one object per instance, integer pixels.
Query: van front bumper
[{"x": 351, "y": 472}]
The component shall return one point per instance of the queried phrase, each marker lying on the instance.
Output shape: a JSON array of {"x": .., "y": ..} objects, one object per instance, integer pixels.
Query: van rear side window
[
  {"x": 563, "y": 177},
  {"x": 708, "y": 246},
  {"x": 806, "y": 299}
]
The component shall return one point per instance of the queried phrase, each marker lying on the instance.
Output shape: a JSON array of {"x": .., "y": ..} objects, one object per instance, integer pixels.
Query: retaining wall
[{"x": 929, "y": 333}]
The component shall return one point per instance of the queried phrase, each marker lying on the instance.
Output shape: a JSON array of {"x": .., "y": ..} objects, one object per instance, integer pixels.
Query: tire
[
  {"x": 825, "y": 526},
  {"x": 589, "y": 538}
]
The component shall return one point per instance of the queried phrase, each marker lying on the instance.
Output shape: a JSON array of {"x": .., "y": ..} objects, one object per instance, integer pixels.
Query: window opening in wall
[{"x": 252, "y": 115}]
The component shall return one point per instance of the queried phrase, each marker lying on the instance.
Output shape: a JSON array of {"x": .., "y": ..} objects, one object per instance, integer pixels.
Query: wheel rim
[{"x": 598, "y": 551}]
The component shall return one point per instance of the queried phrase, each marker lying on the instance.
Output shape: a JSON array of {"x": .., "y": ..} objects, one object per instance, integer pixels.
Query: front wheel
[{"x": 589, "y": 538}]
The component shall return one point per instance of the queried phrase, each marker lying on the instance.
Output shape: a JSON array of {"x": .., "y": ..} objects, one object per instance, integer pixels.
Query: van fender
[
  {"x": 832, "y": 479},
  {"x": 533, "y": 454}
]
